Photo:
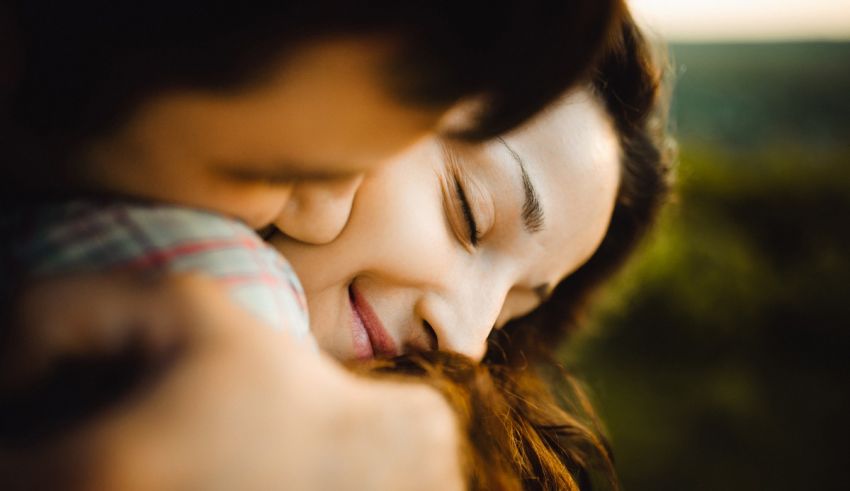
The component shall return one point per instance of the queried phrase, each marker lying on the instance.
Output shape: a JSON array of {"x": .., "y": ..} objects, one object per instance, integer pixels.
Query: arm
[{"x": 242, "y": 406}]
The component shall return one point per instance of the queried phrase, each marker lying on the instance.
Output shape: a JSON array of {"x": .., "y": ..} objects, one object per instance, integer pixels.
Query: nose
[
  {"x": 317, "y": 211},
  {"x": 462, "y": 337},
  {"x": 463, "y": 326}
]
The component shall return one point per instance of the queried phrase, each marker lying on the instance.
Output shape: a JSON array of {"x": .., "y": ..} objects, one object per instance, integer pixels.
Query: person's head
[
  {"x": 454, "y": 238},
  {"x": 529, "y": 424},
  {"x": 226, "y": 105}
]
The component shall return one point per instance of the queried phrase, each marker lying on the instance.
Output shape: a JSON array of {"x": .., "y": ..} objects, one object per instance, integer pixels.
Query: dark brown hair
[
  {"x": 71, "y": 70},
  {"x": 629, "y": 82},
  {"x": 528, "y": 421},
  {"x": 518, "y": 434}
]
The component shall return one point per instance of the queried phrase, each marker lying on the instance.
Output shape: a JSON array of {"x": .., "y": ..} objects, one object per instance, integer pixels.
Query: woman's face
[{"x": 452, "y": 240}]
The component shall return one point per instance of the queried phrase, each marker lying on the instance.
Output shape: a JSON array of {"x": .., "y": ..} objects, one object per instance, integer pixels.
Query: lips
[{"x": 369, "y": 336}]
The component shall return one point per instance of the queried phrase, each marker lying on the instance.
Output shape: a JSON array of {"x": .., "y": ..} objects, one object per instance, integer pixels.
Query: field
[{"x": 720, "y": 357}]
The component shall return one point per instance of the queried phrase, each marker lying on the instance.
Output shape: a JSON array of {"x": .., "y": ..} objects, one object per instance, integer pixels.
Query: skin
[
  {"x": 290, "y": 149},
  {"x": 295, "y": 417},
  {"x": 241, "y": 406},
  {"x": 404, "y": 252},
  {"x": 246, "y": 407}
]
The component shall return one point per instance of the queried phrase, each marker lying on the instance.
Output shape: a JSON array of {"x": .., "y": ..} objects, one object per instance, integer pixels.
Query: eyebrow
[{"x": 532, "y": 210}]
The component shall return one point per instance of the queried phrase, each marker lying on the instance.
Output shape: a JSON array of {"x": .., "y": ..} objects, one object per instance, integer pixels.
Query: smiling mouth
[{"x": 369, "y": 336}]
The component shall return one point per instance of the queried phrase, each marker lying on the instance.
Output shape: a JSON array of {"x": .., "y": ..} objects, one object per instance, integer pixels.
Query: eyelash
[
  {"x": 468, "y": 216},
  {"x": 458, "y": 210}
]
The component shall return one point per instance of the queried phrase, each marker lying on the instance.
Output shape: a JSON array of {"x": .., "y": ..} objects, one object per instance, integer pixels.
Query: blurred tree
[{"x": 720, "y": 358}]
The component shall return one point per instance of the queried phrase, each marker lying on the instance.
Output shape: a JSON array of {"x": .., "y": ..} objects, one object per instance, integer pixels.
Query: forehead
[
  {"x": 334, "y": 99},
  {"x": 571, "y": 154},
  {"x": 324, "y": 107}
]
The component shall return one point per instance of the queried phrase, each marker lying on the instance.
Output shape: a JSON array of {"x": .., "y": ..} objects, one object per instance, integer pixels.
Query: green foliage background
[{"x": 720, "y": 357}]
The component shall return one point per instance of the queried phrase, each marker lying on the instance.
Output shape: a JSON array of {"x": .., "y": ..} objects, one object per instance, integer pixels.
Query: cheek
[
  {"x": 402, "y": 226},
  {"x": 518, "y": 302},
  {"x": 397, "y": 231}
]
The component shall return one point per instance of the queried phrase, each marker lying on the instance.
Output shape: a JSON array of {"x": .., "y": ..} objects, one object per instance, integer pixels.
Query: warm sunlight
[{"x": 736, "y": 20}]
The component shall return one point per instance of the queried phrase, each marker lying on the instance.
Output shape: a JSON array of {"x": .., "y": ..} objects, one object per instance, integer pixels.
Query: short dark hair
[{"x": 80, "y": 67}]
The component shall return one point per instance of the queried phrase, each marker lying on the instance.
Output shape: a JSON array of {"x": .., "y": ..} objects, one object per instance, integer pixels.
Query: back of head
[{"x": 76, "y": 69}]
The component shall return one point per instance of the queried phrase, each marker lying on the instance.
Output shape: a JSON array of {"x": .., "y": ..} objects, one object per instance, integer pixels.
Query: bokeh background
[{"x": 720, "y": 358}]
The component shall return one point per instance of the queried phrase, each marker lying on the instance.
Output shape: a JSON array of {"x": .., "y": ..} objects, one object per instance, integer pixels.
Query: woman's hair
[
  {"x": 519, "y": 436},
  {"x": 628, "y": 81},
  {"x": 72, "y": 70},
  {"x": 522, "y": 432}
]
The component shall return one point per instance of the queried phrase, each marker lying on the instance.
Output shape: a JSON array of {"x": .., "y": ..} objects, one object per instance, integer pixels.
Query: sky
[{"x": 743, "y": 20}]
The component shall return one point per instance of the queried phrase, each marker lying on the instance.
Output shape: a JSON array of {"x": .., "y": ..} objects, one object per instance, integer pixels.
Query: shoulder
[{"x": 78, "y": 236}]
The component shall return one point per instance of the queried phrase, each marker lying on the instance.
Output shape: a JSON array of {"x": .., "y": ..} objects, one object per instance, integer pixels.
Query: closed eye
[
  {"x": 468, "y": 216},
  {"x": 454, "y": 184},
  {"x": 459, "y": 212}
]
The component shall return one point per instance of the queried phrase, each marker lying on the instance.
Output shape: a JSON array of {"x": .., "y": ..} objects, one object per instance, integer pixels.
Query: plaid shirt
[{"x": 88, "y": 236}]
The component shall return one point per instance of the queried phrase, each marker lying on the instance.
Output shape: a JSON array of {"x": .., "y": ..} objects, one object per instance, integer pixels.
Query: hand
[{"x": 240, "y": 406}]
